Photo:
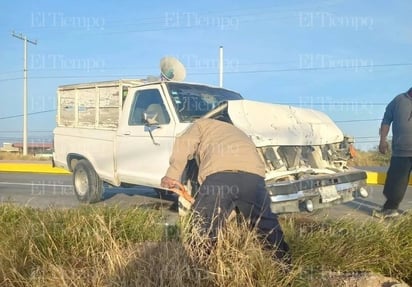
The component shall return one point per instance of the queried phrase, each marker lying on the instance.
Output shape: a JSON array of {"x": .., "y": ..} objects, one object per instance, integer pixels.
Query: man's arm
[
  {"x": 184, "y": 149},
  {"x": 385, "y": 126},
  {"x": 383, "y": 143}
]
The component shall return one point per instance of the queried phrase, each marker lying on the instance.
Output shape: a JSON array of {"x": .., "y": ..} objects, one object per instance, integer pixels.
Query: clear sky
[{"x": 345, "y": 58}]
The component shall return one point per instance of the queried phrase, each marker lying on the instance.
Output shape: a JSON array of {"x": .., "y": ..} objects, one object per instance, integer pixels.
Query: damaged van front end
[{"x": 304, "y": 152}]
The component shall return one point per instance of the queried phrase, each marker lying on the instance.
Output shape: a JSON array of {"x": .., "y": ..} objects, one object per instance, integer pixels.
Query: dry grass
[
  {"x": 109, "y": 246},
  {"x": 17, "y": 156},
  {"x": 369, "y": 158},
  {"x": 351, "y": 246}
]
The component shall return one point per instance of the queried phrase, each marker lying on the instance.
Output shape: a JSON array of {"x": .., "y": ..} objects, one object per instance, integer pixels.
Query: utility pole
[
  {"x": 221, "y": 66},
  {"x": 25, "y": 40}
]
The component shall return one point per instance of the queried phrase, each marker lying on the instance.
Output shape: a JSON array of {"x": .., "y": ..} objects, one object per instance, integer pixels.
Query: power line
[
  {"x": 358, "y": 142},
  {"x": 227, "y": 72},
  {"x": 365, "y": 137},
  {"x": 353, "y": 121},
  {"x": 11, "y": 79},
  {"x": 316, "y": 68},
  {"x": 257, "y": 71},
  {"x": 190, "y": 19},
  {"x": 332, "y": 104},
  {"x": 30, "y": 114},
  {"x": 53, "y": 110},
  {"x": 77, "y": 76},
  {"x": 32, "y": 131},
  {"x": 10, "y": 72}
]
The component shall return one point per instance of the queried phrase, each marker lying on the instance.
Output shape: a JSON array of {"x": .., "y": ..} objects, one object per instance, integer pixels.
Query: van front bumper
[{"x": 317, "y": 192}]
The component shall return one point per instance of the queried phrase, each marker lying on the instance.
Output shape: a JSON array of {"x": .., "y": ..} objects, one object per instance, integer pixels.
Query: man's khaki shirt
[{"x": 217, "y": 146}]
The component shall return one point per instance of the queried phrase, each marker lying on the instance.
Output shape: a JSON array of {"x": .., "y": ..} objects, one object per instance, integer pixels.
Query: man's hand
[
  {"x": 383, "y": 133},
  {"x": 168, "y": 182},
  {"x": 383, "y": 146}
]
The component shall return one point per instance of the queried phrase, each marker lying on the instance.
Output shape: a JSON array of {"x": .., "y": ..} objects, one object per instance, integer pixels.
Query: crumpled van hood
[{"x": 280, "y": 125}]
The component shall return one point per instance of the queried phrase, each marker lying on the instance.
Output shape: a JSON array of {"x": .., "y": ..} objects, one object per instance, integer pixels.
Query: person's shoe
[{"x": 385, "y": 213}]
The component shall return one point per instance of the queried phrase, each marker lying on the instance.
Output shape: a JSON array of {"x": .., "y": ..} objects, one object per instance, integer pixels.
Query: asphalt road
[
  {"x": 51, "y": 190},
  {"x": 56, "y": 190}
]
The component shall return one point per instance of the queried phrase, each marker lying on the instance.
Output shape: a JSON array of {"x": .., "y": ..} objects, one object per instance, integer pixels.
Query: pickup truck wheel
[{"x": 87, "y": 184}]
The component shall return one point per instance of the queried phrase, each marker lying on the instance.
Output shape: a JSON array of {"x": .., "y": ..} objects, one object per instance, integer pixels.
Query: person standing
[
  {"x": 231, "y": 175},
  {"x": 398, "y": 113}
]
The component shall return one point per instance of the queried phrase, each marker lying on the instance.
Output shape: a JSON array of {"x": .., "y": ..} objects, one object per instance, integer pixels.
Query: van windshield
[{"x": 193, "y": 101}]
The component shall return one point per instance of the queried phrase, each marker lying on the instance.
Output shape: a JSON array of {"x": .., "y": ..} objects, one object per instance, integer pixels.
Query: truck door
[{"x": 143, "y": 150}]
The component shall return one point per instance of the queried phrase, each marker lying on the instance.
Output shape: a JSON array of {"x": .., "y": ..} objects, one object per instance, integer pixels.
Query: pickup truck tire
[{"x": 87, "y": 184}]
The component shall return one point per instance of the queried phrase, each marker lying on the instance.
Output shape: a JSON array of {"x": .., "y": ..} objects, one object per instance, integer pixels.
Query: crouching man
[{"x": 231, "y": 174}]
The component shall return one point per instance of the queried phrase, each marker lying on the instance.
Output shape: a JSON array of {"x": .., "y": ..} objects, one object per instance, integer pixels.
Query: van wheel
[{"x": 87, "y": 184}]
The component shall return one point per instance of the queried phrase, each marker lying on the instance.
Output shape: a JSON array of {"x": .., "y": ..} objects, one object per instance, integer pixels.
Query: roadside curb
[
  {"x": 31, "y": 168},
  {"x": 372, "y": 176}
]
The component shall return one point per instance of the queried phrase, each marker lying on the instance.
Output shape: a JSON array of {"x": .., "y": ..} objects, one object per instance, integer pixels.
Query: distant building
[
  {"x": 8, "y": 147},
  {"x": 36, "y": 149}
]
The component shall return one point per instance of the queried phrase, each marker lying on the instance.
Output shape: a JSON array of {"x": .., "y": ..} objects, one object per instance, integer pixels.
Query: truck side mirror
[
  {"x": 151, "y": 123},
  {"x": 150, "y": 119}
]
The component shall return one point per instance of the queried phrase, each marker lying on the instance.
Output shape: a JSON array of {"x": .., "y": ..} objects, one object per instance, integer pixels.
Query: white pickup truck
[{"x": 122, "y": 133}]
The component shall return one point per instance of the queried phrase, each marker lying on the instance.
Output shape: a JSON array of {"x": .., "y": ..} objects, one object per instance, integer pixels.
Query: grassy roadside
[
  {"x": 370, "y": 158},
  {"x": 110, "y": 246},
  {"x": 7, "y": 156}
]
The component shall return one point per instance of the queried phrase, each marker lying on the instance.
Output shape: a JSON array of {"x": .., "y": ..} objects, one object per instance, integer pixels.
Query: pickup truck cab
[{"x": 122, "y": 133}]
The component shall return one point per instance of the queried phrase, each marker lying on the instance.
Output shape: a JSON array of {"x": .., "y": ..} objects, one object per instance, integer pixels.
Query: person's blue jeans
[
  {"x": 222, "y": 192},
  {"x": 396, "y": 183}
]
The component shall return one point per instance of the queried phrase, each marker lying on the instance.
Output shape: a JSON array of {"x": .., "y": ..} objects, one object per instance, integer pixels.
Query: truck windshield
[{"x": 193, "y": 101}]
